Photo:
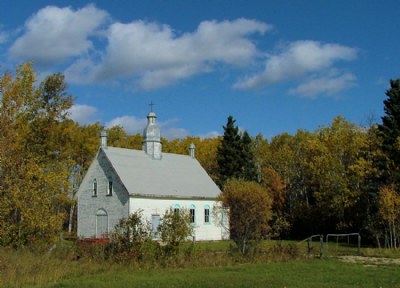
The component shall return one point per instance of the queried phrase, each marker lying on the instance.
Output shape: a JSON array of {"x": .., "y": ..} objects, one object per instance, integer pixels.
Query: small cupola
[
  {"x": 192, "y": 149},
  {"x": 152, "y": 137},
  {"x": 103, "y": 139}
]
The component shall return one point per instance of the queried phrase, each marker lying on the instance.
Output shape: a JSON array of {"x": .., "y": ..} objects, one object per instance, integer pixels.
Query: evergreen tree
[
  {"x": 249, "y": 170},
  {"x": 229, "y": 153},
  {"x": 235, "y": 155},
  {"x": 390, "y": 129}
]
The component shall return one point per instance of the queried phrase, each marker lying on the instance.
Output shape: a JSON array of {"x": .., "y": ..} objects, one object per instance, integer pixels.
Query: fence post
[
  {"x": 359, "y": 243},
  {"x": 321, "y": 248}
]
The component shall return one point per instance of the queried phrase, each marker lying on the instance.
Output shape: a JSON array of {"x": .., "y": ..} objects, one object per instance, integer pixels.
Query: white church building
[{"x": 121, "y": 181}]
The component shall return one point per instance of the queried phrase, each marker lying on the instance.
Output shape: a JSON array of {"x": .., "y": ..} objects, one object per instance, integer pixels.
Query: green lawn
[{"x": 300, "y": 273}]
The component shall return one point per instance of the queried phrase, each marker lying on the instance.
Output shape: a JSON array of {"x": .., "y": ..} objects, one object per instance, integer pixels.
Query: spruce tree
[
  {"x": 229, "y": 153},
  {"x": 389, "y": 130},
  {"x": 249, "y": 170},
  {"x": 235, "y": 155}
]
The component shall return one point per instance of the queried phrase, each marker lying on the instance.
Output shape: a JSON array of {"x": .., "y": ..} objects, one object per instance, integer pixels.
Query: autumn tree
[
  {"x": 389, "y": 210},
  {"x": 325, "y": 174},
  {"x": 174, "y": 228},
  {"x": 249, "y": 207},
  {"x": 34, "y": 166},
  {"x": 276, "y": 187}
]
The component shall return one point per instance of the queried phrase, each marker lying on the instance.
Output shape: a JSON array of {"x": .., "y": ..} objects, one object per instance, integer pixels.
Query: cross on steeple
[{"x": 151, "y": 106}]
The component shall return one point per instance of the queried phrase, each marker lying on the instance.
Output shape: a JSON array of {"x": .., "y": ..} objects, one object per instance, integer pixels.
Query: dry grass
[
  {"x": 24, "y": 268},
  {"x": 370, "y": 261}
]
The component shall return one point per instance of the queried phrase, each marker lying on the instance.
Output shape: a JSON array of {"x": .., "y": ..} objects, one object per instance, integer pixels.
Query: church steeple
[{"x": 152, "y": 137}]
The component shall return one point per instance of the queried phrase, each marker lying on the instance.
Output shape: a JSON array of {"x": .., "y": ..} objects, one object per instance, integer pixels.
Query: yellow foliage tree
[
  {"x": 249, "y": 212},
  {"x": 34, "y": 167},
  {"x": 389, "y": 210}
]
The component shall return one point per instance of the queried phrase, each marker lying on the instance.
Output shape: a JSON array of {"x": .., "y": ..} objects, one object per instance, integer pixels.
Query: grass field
[
  {"x": 282, "y": 264},
  {"x": 304, "y": 273}
]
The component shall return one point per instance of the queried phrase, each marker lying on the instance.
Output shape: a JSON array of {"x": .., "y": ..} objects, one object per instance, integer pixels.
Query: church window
[
  {"x": 176, "y": 208},
  {"x": 155, "y": 222},
  {"x": 206, "y": 214},
  {"x": 192, "y": 214},
  {"x": 94, "y": 187},
  {"x": 110, "y": 187}
]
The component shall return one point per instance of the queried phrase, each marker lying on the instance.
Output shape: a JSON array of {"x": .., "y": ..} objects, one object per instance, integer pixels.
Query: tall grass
[
  {"x": 21, "y": 268},
  {"x": 25, "y": 268}
]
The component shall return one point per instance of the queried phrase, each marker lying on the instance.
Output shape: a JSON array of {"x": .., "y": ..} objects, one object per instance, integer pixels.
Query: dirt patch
[{"x": 370, "y": 261}]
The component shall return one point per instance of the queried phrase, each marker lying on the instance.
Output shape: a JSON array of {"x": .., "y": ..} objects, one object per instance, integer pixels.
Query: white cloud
[
  {"x": 211, "y": 134},
  {"x": 173, "y": 133},
  {"x": 133, "y": 125},
  {"x": 83, "y": 114},
  {"x": 154, "y": 55},
  {"x": 324, "y": 85},
  {"x": 79, "y": 71},
  {"x": 297, "y": 60},
  {"x": 154, "y": 79},
  {"x": 130, "y": 124},
  {"x": 54, "y": 34}
]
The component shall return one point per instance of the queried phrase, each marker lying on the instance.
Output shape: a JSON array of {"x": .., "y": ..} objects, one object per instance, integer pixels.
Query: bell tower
[{"x": 152, "y": 137}]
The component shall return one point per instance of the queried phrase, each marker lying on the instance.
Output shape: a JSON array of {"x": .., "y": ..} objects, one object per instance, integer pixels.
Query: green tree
[
  {"x": 249, "y": 170},
  {"x": 235, "y": 155},
  {"x": 249, "y": 207},
  {"x": 390, "y": 130}
]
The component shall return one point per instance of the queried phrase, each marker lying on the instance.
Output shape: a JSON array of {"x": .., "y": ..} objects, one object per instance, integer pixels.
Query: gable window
[
  {"x": 207, "y": 214},
  {"x": 192, "y": 214},
  {"x": 94, "y": 188},
  {"x": 110, "y": 187}
]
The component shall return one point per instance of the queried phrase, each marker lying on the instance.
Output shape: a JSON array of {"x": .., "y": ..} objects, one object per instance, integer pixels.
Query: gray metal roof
[{"x": 172, "y": 176}]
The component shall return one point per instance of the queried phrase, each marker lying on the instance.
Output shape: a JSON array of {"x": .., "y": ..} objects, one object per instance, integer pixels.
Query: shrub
[
  {"x": 174, "y": 228},
  {"x": 130, "y": 239}
]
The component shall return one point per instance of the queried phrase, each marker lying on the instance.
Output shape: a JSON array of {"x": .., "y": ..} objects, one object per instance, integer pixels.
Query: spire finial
[{"x": 151, "y": 106}]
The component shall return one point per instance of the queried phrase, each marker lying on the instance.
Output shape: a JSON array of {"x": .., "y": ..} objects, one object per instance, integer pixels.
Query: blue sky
[{"x": 275, "y": 66}]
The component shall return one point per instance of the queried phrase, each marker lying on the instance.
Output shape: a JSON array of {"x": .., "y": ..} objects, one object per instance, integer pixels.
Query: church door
[{"x": 101, "y": 224}]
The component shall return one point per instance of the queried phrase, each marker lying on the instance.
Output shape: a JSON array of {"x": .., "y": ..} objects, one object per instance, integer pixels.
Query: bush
[
  {"x": 174, "y": 228},
  {"x": 130, "y": 239}
]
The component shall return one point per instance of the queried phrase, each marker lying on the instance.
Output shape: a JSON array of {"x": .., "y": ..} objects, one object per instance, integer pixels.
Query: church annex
[{"x": 121, "y": 181}]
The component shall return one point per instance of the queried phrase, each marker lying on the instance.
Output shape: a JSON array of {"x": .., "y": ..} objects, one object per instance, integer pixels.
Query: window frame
[
  {"x": 94, "y": 187},
  {"x": 192, "y": 215},
  {"x": 207, "y": 215},
  {"x": 109, "y": 187},
  {"x": 176, "y": 208}
]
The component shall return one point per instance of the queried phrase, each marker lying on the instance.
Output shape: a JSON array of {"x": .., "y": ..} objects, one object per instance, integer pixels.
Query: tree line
[{"x": 338, "y": 178}]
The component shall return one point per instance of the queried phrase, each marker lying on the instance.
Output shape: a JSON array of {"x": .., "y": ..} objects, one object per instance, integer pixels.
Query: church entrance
[{"x": 101, "y": 223}]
